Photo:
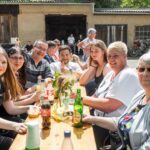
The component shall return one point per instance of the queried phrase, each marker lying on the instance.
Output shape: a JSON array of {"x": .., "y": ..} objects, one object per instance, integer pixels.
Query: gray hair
[
  {"x": 91, "y": 30},
  {"x": 145, "y": 58},
  {"x": 119, "y": 46},
  {"x": 38, "y": 42}
]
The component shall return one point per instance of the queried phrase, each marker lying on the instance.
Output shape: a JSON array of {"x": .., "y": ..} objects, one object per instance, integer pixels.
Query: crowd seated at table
[{"x": 110, "y": 85}]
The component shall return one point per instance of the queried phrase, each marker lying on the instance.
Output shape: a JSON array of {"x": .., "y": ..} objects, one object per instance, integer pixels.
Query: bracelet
[{"x": 93, "y": 66}]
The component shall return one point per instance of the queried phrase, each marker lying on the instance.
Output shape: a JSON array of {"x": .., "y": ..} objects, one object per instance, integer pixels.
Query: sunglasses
[{"x": 141, "y": 69}]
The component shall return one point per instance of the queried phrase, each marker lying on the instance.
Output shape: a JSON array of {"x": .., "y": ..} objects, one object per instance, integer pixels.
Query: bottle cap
[{"x": 67, "y": 133}]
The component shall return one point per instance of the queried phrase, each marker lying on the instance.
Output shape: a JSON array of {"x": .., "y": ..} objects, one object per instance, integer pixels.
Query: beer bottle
[{"x": 78, "y": 110}]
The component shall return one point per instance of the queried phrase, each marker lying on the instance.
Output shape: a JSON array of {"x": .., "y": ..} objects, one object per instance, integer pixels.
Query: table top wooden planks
[{"x": 51, "y": 139}]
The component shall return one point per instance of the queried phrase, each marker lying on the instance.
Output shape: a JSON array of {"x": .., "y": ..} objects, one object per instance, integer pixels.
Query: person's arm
[
  {"x": 77, "y": 60},
  {"x": 87, "y": 75},
  {"x": 9, "y": 125},
  {"x": 12, "y": 109},
  {"x": 30, "y": 90},
  {"x": 28, "y": 99},
  {"x": 104, "y": 104},
  {"x": 80, "y": 44},
  {"x": 107, "y": 123}
]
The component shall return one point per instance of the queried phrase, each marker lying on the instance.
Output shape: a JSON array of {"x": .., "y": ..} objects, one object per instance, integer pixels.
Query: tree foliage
[
  {"x": 122, "y": 3},
  {"x": 135, "y": 3},
  {"x": 107, "y": 3}
]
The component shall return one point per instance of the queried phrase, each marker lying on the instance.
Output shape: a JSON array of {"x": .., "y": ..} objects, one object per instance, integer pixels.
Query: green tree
[
  {"x": 107, "y": 3},
  {"x": 135, "y": 3}
]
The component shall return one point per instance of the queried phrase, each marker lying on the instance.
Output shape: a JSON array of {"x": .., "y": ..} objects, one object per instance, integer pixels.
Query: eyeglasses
[
  {"x": 141, "y": 69},
  {"x": 17, "y": 58}
]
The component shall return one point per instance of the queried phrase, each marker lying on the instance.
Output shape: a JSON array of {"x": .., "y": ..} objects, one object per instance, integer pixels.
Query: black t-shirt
[
  {"x": 3, "y": 113},
  {"x": 1, "y": 93}
]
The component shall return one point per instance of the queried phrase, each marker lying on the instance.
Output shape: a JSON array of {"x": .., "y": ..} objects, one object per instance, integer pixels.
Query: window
[
  {"x": 142, "y": 32},
  {"x": 110, "y": 33}
]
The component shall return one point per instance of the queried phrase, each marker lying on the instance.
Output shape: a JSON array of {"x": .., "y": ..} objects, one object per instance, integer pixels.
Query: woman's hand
[
  {"x": 75, "y": 58},
  {"x": 36, "y": 96},
  {"x": 87, "y": 119},
  {"x": 94, "y": 63},
  {"x": 20, "y": 128},
  {"x": 30, "y": 90}
]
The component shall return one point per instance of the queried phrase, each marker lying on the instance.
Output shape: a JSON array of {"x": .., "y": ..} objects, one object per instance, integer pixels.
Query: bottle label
[
  {"x": 76, "y": 117},
  {"x": 45, "y": 113}
]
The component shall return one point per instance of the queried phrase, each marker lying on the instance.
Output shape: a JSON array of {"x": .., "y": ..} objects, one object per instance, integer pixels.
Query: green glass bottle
[
  {"x": 78, "y": 110},
  {"x": 32, "y": 149}
]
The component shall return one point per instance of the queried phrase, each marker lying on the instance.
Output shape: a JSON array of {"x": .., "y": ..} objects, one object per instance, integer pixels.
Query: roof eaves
[{"x": 122, "y": 11}]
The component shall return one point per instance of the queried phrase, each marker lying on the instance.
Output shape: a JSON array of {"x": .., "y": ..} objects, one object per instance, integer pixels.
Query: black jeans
[{"x": 5, "y": 142}]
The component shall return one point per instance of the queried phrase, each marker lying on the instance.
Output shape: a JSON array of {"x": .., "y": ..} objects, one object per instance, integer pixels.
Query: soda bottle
[
  {"x": 78, "y": 110},
  {"x": 67, "y": 142},
  {"x": 45, "y": 114}
]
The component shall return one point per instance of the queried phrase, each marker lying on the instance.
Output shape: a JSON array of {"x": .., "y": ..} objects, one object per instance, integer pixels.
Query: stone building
[{"x": 57, "y": 20}]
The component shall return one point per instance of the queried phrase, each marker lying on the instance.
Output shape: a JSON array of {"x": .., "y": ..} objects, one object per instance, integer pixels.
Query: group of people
[{"x": 117, "y": 95}]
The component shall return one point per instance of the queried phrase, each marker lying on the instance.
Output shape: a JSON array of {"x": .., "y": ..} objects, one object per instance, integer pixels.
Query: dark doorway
[
  {"x": 61, "y": 26},
  {"x": 8, "y": 22}
]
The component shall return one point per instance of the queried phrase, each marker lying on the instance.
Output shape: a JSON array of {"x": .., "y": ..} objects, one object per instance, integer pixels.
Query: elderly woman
[
  {"x": 134, "y": 125},
  {"x": 117, "y": 88}
]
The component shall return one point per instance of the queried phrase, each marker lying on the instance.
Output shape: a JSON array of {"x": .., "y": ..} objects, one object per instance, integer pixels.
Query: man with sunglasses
[{"x": 36, "y": 65}]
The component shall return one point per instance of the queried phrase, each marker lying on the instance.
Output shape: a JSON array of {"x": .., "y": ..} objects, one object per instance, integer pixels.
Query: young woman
[
  {"x": 16, "y": 58},
  {"x": 97, "y": 69},
  {"x": 9, "y": 91}
]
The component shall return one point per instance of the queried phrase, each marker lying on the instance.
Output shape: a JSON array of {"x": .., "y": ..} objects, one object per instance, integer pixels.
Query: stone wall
[{"x": 31, "y": 19}]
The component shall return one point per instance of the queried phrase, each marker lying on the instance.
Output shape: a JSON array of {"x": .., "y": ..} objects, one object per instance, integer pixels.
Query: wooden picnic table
[{"x": 51, "y": 139}]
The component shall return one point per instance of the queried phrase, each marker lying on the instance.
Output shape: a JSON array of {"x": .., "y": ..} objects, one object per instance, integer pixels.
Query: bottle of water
[{"x": 67, "y": 142}]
